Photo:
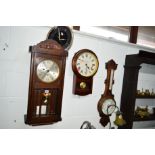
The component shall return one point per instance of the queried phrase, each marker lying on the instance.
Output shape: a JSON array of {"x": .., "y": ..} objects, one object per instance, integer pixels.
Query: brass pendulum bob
[
  {"x": 46, "y": 97},
  {"x": 119, "y": 121}
]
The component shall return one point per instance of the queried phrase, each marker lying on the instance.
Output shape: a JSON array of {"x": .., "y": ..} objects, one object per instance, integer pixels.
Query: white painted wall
[{"x": 14, "y": 76}]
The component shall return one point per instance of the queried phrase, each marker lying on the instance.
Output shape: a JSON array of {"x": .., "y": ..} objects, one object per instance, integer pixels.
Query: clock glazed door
[{"x": 45, "y": 95}]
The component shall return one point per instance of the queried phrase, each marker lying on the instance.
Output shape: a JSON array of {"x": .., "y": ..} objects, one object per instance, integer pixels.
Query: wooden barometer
[
  {"x": 107, "y": 104},
  {"x": 48, "y": 61}
]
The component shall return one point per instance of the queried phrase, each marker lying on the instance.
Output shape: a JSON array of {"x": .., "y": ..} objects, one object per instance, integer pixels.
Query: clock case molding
[
  {"x": 130, "y": 80},
  {"x": 48, "y": 49}
]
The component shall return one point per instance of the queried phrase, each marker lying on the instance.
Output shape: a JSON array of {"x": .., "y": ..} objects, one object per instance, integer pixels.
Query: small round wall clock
[
  {"x": 107, "y": 103},
  {"x": 85, "y": 65},
  {"x": 63, "y": 35}
]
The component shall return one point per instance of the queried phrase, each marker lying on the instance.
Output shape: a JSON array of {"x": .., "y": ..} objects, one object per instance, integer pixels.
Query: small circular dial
[
  {"x": 48, "y": 71},
  {"x": 62, "y": 34},
  {"x": 108, "y": 106},
  {"x": 87, "y": 64}
]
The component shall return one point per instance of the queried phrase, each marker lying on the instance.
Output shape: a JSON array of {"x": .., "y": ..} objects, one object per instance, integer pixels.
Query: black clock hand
[{"x": 87, "y": 66}]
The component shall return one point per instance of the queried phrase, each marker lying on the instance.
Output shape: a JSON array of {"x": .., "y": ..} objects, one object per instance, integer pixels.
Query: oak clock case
[
  {"x": 48, "y": 60},
  {"x": 63, "y": 35},
  {"x": 107, "y": 103},
  {"x": 85, "y": 65}
]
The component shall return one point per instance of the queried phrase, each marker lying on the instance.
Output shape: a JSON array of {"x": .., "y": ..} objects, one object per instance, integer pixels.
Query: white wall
[{"x": 14, "y": 76}]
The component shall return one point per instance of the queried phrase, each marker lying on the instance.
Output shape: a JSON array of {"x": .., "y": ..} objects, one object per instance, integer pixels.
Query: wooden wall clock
[
  {"x": 85, "y": 65},
  {"x": 48, "y": 59},
  {"x": 62, "y": 34},
  {"x": 107, "y": 103}
]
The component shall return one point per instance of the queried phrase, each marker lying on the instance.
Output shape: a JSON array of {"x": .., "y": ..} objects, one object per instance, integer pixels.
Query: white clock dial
[
  {"x": 87, "y": 64},
  {"x": 48, "y": 71},
  {"x": 108, "y": 106}
]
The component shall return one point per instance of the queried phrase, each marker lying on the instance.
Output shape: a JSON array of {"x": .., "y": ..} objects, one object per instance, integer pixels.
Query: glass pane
[
  {"x": 146, "y": 36},
  {"x": 112, "y": 32}
]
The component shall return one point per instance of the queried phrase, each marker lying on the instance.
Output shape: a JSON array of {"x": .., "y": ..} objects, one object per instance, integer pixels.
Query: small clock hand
[
  {"x": 47, "y": 70},
  {"x": 87, "y": 66},
  {"x": 59, "y": 33},
  {"x": 45, "y": 73},
  {"x": 62, "y": 39}
]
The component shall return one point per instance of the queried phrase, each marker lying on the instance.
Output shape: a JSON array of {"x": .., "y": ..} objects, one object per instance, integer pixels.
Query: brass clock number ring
[{"x": 83, "y": 85}]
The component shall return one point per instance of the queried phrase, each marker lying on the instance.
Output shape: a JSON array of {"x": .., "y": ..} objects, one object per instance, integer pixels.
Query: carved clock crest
[{"x": 48, "y": 60}]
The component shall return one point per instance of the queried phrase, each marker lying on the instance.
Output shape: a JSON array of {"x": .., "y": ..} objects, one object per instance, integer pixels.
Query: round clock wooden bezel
[
  {"x": 62, "y": 34},
  {"x": 82, "y": 85}
]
